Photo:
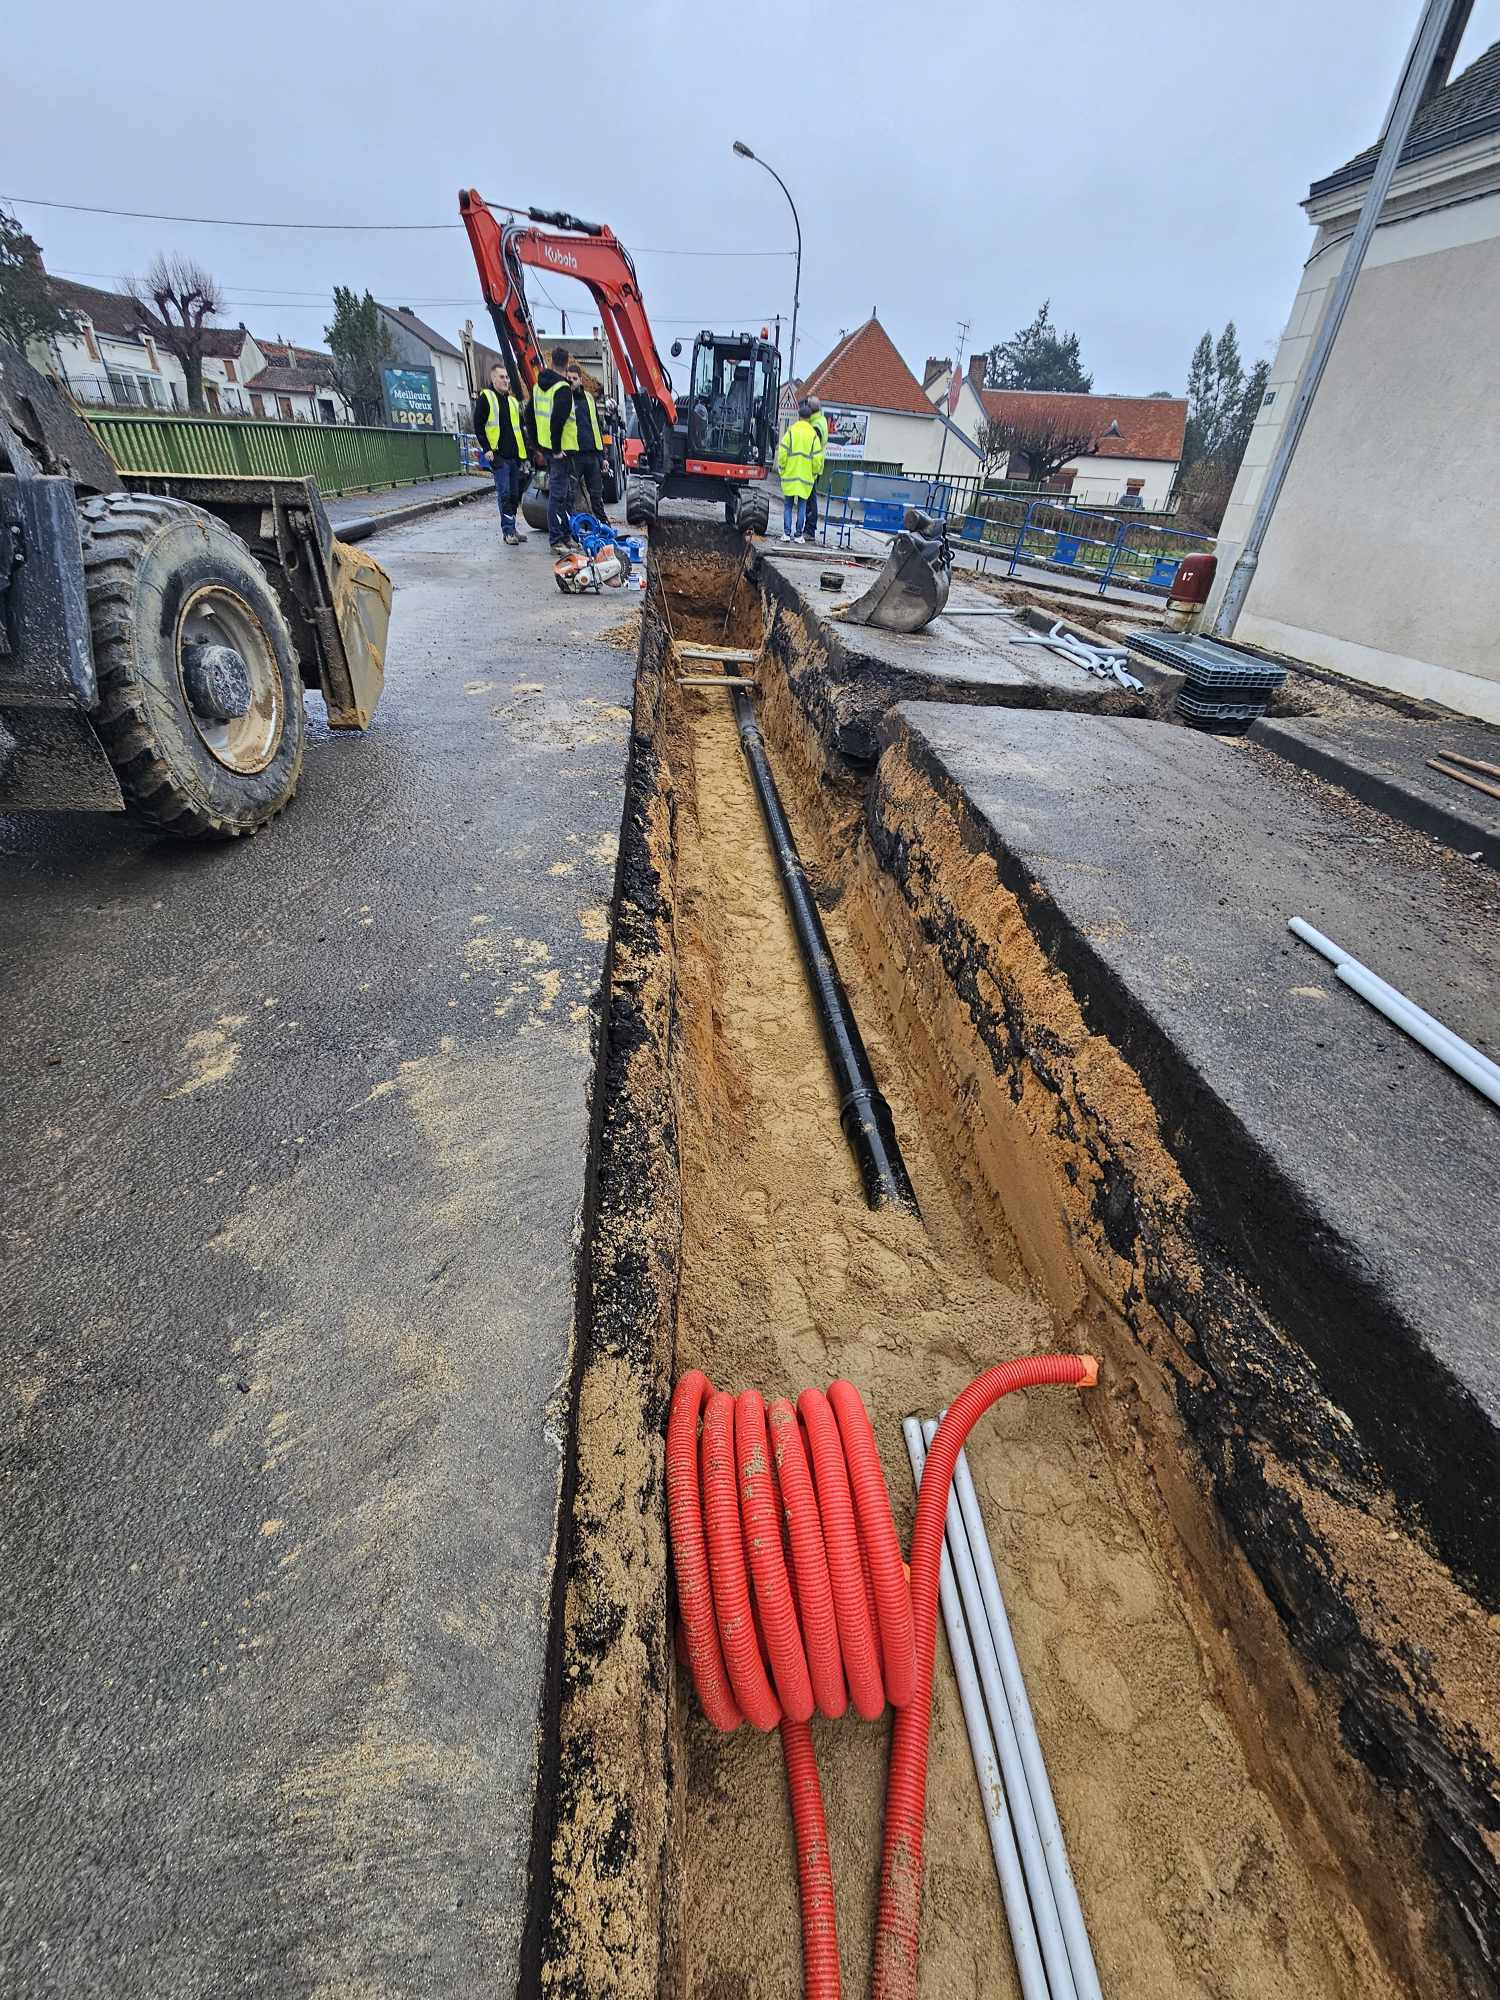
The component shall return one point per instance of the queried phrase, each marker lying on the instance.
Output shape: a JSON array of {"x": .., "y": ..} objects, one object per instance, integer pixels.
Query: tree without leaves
[
  {"x": 28, "y": 310},
  {"x": 174, "y": 303},
  {"x": 360, "y": 342},
  {"x": 1039, "y": 356},
  {"x": 1046, "y": 438}
]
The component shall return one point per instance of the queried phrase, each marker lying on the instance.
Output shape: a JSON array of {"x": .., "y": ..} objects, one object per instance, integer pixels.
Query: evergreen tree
[
  {"x": 360, "y": 342},
  {"x": 1039, "y": 356},
  {"x": 28, "y": 310}
]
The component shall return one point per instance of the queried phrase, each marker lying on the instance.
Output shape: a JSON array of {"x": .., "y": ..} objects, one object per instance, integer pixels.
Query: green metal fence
[{"x": 343, "y": 458}]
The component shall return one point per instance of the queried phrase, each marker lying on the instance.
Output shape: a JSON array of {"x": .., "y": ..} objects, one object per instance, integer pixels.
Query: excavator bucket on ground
[{"x": 913, "y": 586}]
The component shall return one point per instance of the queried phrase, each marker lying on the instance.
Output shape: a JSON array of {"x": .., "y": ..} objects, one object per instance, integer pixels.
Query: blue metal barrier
[{"x": 1124, "y": 552}]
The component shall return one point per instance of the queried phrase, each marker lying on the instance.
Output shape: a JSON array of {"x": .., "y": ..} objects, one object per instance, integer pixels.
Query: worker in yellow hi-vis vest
[
  {"x": 499, "y": 426},
  {"x": 588, "y": 452},
  {"x": 799, "y": 460},
  {"x": 556, "y": 436}
]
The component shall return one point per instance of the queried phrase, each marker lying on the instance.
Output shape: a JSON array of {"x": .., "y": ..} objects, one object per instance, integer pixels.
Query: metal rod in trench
[{"x": 863, "y": 1112}]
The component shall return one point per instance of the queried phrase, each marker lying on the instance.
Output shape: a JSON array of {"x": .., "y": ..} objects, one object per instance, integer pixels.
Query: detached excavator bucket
[
  {"x": 912, "y": 588},
  {"x": 362, "y": 608}
]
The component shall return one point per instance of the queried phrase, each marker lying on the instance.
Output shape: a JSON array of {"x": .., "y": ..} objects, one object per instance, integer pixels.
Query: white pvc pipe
[
  {"x": 1029, "y": 1841},
  {"x": 992, "y": 1797},
  {"x": 1460, "y": 1056},
  {"x": 1054, "y": 1847},
  {"x": 1337, "y": 956}
]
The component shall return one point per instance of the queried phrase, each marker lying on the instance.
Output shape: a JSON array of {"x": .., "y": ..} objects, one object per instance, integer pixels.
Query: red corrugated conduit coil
[{"x": 773, "y": 1628}]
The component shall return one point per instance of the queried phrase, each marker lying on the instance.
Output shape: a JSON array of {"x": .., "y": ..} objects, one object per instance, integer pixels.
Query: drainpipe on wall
[{"x": 1427, "y": 67}]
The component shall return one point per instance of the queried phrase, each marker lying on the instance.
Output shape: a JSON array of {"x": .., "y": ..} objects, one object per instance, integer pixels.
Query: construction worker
[
  {"x": 586, "y": 452},
  {"x": 497, "y": 420},
  {"x": 820, "y": 425},
  {"x": 552, "y": 417},
  {"x": 799, "y": 460}
]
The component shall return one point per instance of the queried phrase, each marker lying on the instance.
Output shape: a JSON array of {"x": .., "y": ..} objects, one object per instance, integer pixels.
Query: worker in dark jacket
[
  {"x": 587, "y": 455},
  {"x": 499, "y": 426},
  {"x": 552, "y": 416}
]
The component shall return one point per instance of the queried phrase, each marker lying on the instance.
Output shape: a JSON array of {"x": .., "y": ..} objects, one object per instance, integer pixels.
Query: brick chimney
[{"x": 976, "y": 371}]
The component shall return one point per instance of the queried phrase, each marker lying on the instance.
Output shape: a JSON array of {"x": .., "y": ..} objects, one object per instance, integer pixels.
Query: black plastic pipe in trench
[{"x": 863, "y": 1112}]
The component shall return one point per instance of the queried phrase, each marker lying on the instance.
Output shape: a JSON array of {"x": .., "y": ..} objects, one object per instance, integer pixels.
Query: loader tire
[
  {"x": 752, "y": 514},
  {"x": 640, "y": 503},
  {"x": 200, "y": 693}
]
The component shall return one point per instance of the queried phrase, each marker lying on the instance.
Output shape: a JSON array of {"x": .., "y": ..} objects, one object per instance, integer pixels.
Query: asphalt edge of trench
[{"x": 601, "y": 1879}]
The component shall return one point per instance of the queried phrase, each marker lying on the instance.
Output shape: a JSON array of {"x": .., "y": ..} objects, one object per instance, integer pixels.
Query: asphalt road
[{"x": 295, "y": 1136}]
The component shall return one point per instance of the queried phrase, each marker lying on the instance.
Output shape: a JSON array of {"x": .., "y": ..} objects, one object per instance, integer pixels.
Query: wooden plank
[
  {"x": 736, "y": 655},
  {"x": 1477, "y": 784},
  {"x": 1471, "y": 763}
]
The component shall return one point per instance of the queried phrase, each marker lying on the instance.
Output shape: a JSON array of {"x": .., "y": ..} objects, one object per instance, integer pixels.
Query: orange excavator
[{"x": 719, "y": 442}]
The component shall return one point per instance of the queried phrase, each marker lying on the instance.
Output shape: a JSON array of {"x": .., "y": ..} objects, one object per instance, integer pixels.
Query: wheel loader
[{"x": 157, "y": 633}]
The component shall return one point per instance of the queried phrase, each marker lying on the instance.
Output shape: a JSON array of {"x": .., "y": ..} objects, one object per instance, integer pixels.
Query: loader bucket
[
  {"x": 362, "y": 607},
  {"x": 912, "y": 588}
]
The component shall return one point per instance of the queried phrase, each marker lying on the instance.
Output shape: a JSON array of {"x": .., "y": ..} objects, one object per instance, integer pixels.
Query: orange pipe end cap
[{"x": 1090, "y": 1376}]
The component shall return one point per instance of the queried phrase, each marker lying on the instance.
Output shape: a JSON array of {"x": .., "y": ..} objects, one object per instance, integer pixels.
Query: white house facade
[
  {"x": 1382, "y": 560},
  {"x": 1140, "y": 437}
]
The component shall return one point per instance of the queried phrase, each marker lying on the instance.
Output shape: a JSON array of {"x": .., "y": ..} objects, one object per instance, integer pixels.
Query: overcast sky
[{"x": 1141, "y": 164}]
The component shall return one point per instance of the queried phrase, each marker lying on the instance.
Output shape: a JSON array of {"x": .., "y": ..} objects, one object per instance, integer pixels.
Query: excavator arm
[{"x": 594, "y": 255}]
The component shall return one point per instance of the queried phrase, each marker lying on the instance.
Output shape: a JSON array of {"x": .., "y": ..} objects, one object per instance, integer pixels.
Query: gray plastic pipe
[
  {"x": 992, "y": 1796},
  {"x": 1030, "y": 1840},
  {"x": 1460, "y": 1056},
  {"x": 1054, "y": 1847}
]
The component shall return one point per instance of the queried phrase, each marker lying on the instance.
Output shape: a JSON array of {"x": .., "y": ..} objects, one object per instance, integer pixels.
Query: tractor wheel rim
[{"x": 216, "y": 615}]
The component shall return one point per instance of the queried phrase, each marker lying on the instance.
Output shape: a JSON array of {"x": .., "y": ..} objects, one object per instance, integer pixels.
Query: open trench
[{"x": 734, "y": 1237}]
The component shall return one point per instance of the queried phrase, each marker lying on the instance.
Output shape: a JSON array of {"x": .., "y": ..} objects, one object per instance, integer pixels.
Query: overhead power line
[{"x": 240, "y": 222}]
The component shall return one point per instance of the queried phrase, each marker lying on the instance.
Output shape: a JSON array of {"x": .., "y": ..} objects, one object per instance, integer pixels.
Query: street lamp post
[{"x": 745, "y": 154}]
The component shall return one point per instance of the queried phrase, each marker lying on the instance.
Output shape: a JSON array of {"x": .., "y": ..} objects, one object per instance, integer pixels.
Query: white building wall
[
  {"x": 912, "y": 442},
  {"x": 1103, "y": 480},
  {"x": 119, "y": 373},
  {"x": 454, "y": 401},
  {"x": 1382, "y": 561}
]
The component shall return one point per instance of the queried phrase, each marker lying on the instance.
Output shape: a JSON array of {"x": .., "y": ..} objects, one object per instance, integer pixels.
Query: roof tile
[
  {"x": 866, "y": 371},
  {"x": 1465, "y": 109},
  {"x": 1150, "y": 426}
]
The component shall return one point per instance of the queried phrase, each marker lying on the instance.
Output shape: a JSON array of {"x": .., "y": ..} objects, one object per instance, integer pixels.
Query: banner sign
[
  {"x": 847, "y": 430},
  {"x": 411, "y": 398}
]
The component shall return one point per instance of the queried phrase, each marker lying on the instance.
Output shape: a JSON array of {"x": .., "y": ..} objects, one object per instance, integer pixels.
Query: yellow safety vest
[
  {"x": 820, "y": 425},
  {"x": 492, "y": 421},
  {"x": 588, "y": 404},
  {"x": 799, "y": 459},
  {"x": 541, "y": 407}
]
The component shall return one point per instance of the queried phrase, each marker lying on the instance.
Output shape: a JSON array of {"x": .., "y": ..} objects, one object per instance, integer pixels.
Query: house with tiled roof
[
  {"x": 417, "y": 345},
  {"x": 1380, "y": 560},
  {"x": 1139, "y": 437},
  {"x": 117, "y": 359},
  {"x": 877, "y": 413},
  {"x": 297, "y": 386}
]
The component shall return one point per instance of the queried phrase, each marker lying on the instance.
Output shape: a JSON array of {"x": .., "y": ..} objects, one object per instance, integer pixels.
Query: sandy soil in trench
[{"x": 1189, "y": 1882}]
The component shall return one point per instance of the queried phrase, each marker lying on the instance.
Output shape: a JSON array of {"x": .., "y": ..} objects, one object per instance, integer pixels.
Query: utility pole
[
  {"x": 1427, "y": 66},
  {"x": 963, "y": 334}
]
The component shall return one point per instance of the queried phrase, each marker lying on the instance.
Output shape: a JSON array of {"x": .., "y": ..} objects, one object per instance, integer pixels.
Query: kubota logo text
[{"x": 564, "y": 258}]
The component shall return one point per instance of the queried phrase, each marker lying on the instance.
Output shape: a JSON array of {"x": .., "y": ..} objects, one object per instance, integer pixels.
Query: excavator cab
[{"x": 731, "y": 406}]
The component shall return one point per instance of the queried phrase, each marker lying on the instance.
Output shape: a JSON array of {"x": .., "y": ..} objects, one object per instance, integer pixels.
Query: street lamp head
[{"x": 743, "y": 150}]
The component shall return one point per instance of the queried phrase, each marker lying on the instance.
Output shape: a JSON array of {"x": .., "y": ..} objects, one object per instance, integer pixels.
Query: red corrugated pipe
[{"x": 776, "y": 1624}]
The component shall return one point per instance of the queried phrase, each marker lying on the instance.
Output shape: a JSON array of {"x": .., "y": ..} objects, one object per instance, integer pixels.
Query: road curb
[{"x": 361, "y": 529}]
